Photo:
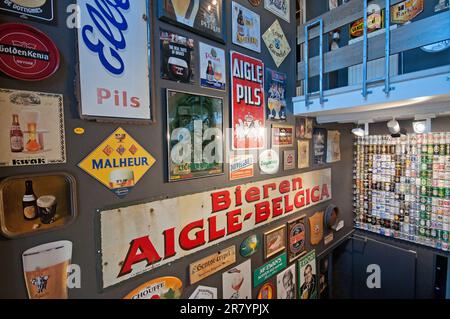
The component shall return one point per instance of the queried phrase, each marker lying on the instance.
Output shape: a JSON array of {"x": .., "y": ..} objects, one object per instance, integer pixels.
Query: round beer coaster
[{"x": 27, "y": 53}]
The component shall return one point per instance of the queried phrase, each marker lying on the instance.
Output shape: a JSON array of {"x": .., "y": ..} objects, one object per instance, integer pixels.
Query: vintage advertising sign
[
  {"x": 320, "y": 145},
  {"x": 119, "y": 162},
  {"x": 406, "y": 11},
  {"x": 289, "y": 159},
  {"x": 177, "y": 57},
  {"x": 206, "y": 17},
  {"x": 32, "y": 128},
  {"x": 156, "y": 233},
  {"x": 280, "y": 8},
  {"x": 307, "y": 276},
  {"x": 269, "y": 269},
  {"x": 274, "y": 241},
  {"x": 286, "y": 283},
  {"x": 203, "y": 292},
  {"x": 303, "y": 127},
  {"x": 316, "y": 227},
  {"x": 40, "y": 10},
  {"x": 236, "y": 282},
  {"x": 27, "y": 53},
  {"x": 269, "y": 162},
  {"x": 212, "y": 67},
  {"x": 267, "y": 291},
  {"x": 333, "y": 146},
  {"x": 114, "y": 56},
  {"x": 303, "y": 154},
  {"x": 282, "y": 135},
  {"x": 195, "y": 131},
  {"x": 246, "y": 28},
  {"x": 255, "y": 3},
  {"x": 276, "y": 88},
  {"x": 375, "y": 21},
  {"x": 296, "y": 230},
  {"x": 248, "y": 105},
  {"x": 241, "y": 166},
  {"x": 277, "y": 43},
  {"x": 249, "y": 246},
  {"x": 159, "y": 288},
  {"x": 208, "y": 266}
]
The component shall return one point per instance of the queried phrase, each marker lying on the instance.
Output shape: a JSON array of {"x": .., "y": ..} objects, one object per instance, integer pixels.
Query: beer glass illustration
[
  {"x": 31, "y": 119},
  {"x": 45, "y": 270},
  {"x": 181, "y": 8}
]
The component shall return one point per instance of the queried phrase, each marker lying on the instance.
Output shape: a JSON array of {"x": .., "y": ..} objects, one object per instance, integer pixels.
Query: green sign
[
  {"x": 307, "y": 275},
  {"x": 269, "y": 269}
]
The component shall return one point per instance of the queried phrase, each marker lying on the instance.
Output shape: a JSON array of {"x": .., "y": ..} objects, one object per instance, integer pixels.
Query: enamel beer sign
[
  {"x": 26, "y": 53},
  {"x": 155, "y": 233},
  {"x": 114, "y": 68},
  {"x": 159, "y": 288},
  {"x": 406, "y": 11},
  {"x": 119, "y": 162},
  {"x": 248, "y": 104}
]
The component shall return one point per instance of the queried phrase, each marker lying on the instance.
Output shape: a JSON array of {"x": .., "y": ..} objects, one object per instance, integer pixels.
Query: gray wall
[{"x": 92, "y": 195}]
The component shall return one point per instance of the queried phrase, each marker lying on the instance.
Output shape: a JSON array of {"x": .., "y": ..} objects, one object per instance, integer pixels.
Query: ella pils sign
[{"x": 156, "y": 233}]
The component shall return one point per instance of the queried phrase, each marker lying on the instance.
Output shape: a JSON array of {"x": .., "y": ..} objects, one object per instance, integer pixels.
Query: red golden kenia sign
[
  {"x": 27, "y": 53},
  {"x": 139, "y": 238},
  {"x": 248, "y": 103}
]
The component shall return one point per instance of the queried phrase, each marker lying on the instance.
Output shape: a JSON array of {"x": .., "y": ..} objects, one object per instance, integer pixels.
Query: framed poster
[
  {"x": 247, "y": 102},
  {"x": 303, "y": 154},
  {"x": 274, "y": 241},
  {"x": 280, "y": 8},
  {"x": 286, "y": 283},
  {"x": 276, "y": 88},
  {"x": 237, "y": 282},
  {"x": 406, "y": 11},
  {"x": 303, "y": 127},
  {"x": 177, "y": 57},
  {"x": 204, "y": 292},
  {"x": 195, "y": 138},
  {"x": 245, "y": 27},
  {"x": 205, "y": 17},
  {"x": 32, "y": 128},
  {"x": 320, "y": 145},
  {"x": 40, "y": 11},
  {"x": 307, "y": 276},
  {"x": 277, "y": 43},
  {"x": 267, "y": 291},
  {"x": 296, "y": 230},
  {"x": 114, "y": 61},
  {"x": 333, "y": 146},
  {"x": 282, "y": 135},
  {"x": 212, "y": 67},
  {"x": 289, "y": 159},
  {"x": 119, "y": 162}
]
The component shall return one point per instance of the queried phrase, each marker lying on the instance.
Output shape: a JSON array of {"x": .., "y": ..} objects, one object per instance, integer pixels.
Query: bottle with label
[
  {"x": 29, "y": 202},
  {"x": 16, "y": 135}
]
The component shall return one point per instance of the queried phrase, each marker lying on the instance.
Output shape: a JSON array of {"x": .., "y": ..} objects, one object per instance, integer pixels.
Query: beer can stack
[{"x": 402, "y": 187}]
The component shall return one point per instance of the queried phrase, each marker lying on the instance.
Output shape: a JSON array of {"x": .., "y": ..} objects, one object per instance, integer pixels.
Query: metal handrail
[
  {"x": 305, "y": 89},
  {"x": 387, "y": 51}
]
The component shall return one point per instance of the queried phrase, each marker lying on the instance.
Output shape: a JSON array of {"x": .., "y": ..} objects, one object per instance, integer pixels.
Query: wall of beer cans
[{"x": 402, "y": 187}]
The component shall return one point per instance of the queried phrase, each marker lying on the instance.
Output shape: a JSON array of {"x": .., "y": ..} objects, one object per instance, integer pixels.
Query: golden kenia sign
[
  {"x": 159, "y": 232},
  {"x": 119, "y": 162}
]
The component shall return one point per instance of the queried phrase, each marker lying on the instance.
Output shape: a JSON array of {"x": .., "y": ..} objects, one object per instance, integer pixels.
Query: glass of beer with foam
[{"x": 45, "y": 270}]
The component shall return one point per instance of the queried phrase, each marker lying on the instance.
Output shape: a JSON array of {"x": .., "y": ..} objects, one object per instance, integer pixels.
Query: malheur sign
[
  {"x": 138, "y": 238},
  {"x": 114, "y": 59}
]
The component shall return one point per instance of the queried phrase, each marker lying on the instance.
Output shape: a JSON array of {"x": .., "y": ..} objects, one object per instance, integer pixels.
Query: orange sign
[
  {"x": 316, "y": 228},
  {"x": 159, "y": 288},
  {"x": 406, "y": 11}
]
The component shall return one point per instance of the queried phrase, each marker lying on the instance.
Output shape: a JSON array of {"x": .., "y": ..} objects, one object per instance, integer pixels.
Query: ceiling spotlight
[
  {"x": 420, "y": 127},
  {"x": 358, "y": 132},
  {"x": 393, "y": 126}
]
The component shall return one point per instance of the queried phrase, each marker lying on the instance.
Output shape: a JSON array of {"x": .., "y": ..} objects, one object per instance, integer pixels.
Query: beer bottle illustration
[
  {"x": 29, "y": 202},
  {"x": 240, "y": 22},
  {"x": 16, "y": 135}
]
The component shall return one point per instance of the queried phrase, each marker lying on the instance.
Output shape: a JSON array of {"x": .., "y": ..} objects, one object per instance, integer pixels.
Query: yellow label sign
[
  {"x": 118, "y": 163},
  {"x": 159, "y": 288}
]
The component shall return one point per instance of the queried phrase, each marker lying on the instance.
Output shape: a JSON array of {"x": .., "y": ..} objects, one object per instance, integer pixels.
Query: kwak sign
[
  {"x": 114, "y": 59},
  {"x": 156, "y": 233},
  {"x": 118, "y": 163}
]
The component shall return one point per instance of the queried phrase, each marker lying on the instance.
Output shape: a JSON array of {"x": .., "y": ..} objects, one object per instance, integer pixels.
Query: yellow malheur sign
[{"x": 118, "y": 163}]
